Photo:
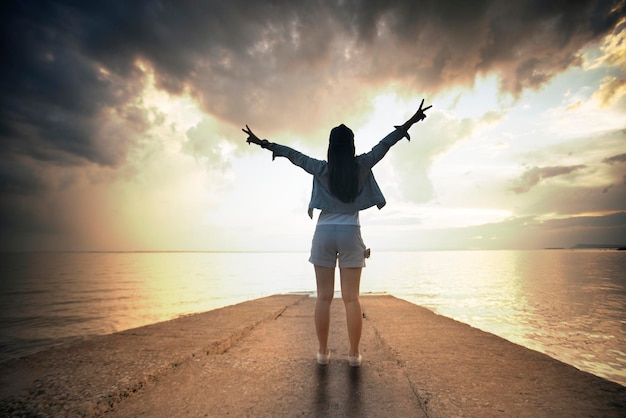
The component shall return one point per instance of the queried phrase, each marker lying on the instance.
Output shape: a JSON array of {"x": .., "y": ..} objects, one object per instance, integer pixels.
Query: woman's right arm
[
  {"x": 377, "y": 153},
  {"x": 308, "y": 164}
]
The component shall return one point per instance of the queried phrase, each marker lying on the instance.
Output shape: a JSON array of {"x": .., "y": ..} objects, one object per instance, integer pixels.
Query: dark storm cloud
[
  {"x": 19, "y": 178},
  {"x": 65, "y": 63},
  {"x": 621, "y": 158},
  {"x": 72, "y": 71},
  {"x": 534, "y": 175},
  {"x": 525, "y": 42},
  {"x": 52, "y": 91}
]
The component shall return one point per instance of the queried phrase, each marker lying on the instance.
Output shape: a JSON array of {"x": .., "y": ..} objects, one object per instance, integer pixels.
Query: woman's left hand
[{"x": 253, "y": 139}]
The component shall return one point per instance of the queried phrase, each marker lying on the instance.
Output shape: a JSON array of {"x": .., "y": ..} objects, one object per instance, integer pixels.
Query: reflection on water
[
  {"x": 49, "y": 297},
  {"x": 568, "y": 304}
]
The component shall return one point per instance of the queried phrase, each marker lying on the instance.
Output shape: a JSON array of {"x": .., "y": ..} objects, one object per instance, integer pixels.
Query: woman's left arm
[
  {"x": 253, "y": 139},
  {"x": 308, "y": 164}
]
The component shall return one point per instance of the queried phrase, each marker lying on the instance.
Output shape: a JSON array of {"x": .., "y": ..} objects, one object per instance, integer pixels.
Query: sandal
[
  {"x": 355, "y": 361},
  {"x": 322, "y": 359}
]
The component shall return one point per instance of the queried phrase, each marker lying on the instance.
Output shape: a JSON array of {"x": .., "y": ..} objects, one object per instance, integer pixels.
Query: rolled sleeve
[{"x": 308, "y": 164}]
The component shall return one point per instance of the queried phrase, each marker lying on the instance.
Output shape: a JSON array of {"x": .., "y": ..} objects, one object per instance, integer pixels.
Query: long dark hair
[{"x": 343, "y": 172}]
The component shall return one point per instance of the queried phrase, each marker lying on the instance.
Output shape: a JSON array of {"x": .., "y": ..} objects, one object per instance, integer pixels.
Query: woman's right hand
[{"x": 419, "y": 115}]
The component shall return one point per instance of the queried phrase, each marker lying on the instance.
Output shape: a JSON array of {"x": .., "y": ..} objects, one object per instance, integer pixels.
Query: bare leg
[
  {"x": 350, "y": 284},
  {"x": 325, "y": 278}
]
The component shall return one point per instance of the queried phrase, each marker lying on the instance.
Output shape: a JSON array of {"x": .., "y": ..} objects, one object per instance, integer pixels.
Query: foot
[
  {"x": 323, "y": 359},
  {"x": 355, "y": 361}
]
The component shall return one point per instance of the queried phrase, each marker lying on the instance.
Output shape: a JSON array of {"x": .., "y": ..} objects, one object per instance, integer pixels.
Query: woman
[{"x": 342, "y": 186}]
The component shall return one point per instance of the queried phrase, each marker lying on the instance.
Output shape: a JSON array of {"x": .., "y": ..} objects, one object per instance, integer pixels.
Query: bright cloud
[{"x": 120, "y": 123}]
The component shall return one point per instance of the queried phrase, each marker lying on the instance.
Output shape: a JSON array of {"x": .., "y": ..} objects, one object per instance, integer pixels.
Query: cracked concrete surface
[{"x": 258, "y": 359}]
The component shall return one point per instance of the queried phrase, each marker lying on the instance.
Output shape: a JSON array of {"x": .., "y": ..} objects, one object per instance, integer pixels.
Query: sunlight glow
[
  {"x": 388, "y": 109},
  {"x": 464, "y": 162}
]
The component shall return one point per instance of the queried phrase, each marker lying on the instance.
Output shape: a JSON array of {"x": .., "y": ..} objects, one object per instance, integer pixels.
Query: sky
[{"x": 120, "y": 121}]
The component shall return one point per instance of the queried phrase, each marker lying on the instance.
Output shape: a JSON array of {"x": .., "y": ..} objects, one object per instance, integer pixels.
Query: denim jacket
[{"x": 321, "y": 196}]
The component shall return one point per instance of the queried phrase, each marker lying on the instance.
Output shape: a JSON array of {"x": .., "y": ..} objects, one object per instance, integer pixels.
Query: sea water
[{"x": 569, "y": 304}]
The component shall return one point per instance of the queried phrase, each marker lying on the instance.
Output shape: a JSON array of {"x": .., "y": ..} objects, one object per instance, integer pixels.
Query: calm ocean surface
[{"x": 568, "y": 304}]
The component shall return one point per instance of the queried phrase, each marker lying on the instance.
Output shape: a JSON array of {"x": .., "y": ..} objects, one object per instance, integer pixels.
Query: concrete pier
[{"x": 258, "y": 359}]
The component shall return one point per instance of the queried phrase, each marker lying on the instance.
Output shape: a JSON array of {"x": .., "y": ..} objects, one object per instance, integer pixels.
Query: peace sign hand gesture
[
  {"x": 418, "y": 116},
  {"x": 253, "y": 139}
]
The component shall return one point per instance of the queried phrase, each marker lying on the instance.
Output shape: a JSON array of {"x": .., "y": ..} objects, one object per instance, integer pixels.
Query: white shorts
[{"x": 338, "y": 242}]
